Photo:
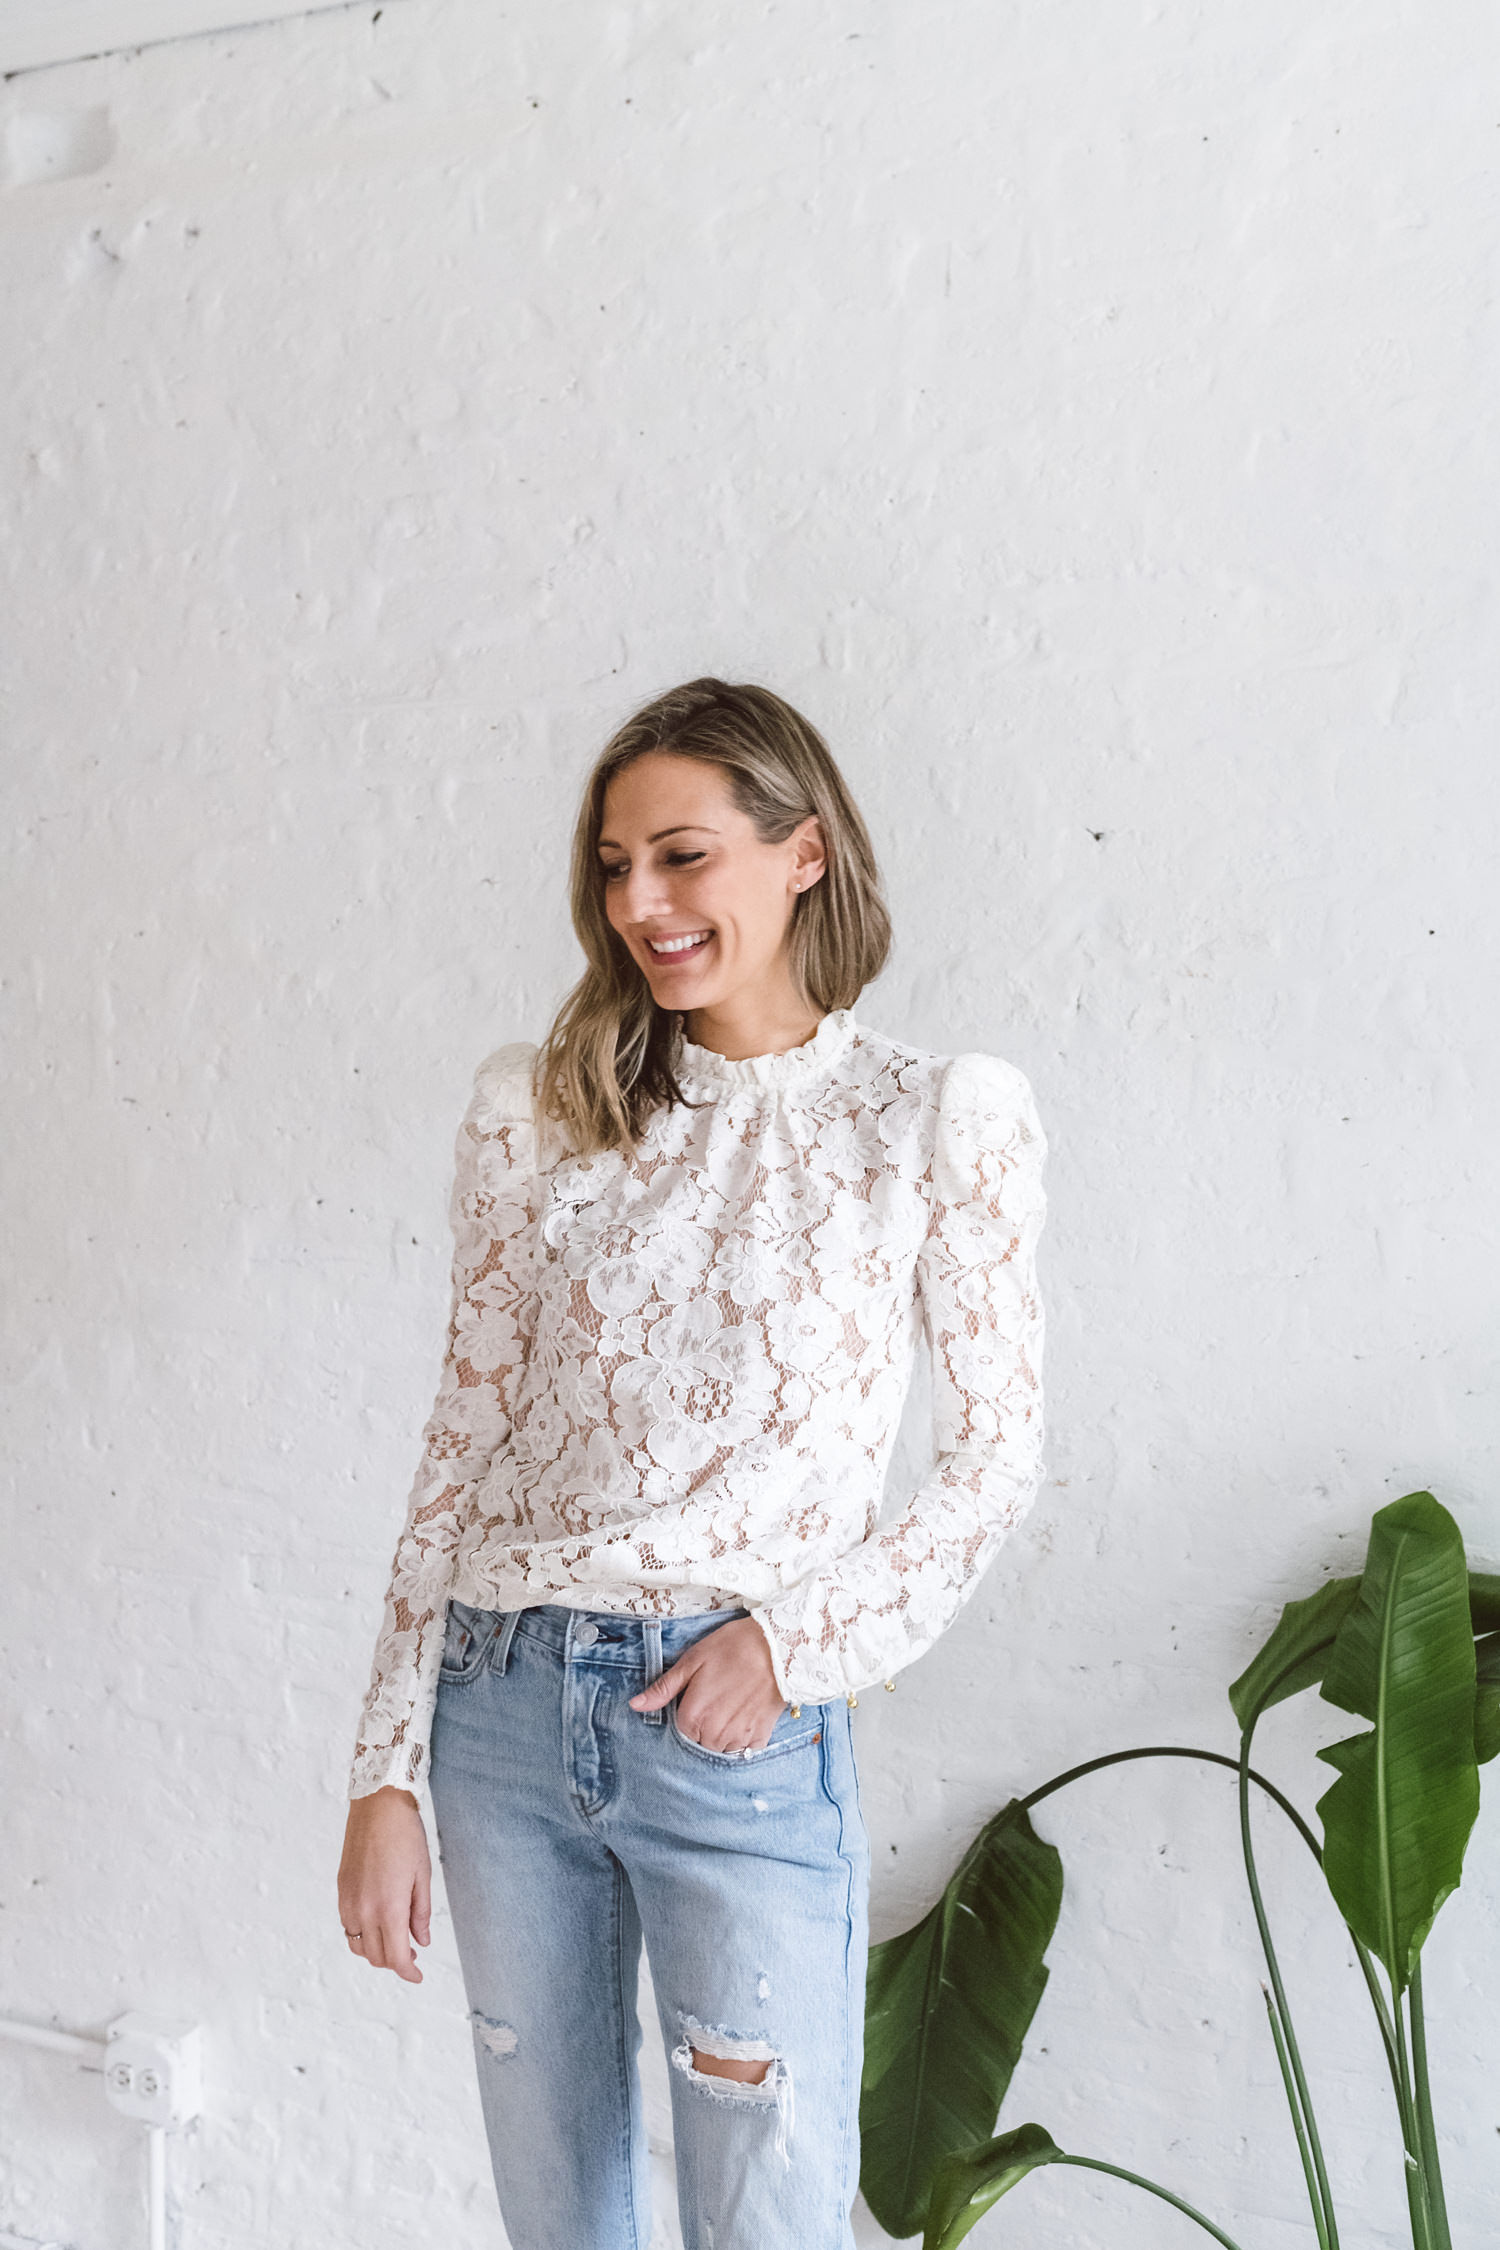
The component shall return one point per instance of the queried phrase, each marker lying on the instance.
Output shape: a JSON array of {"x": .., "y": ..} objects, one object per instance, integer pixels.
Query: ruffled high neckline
[{"x": 723, "y": 1073}]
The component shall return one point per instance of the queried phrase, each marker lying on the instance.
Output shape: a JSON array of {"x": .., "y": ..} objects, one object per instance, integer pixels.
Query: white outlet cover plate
[{"x": 142, "y": 2044}]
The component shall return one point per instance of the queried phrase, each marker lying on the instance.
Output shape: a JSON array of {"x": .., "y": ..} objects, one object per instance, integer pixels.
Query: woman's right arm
[{"x": 384, "y": 1879}]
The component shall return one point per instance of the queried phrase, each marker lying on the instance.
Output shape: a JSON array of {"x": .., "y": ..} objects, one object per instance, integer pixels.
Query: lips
[{"x": 677, "y": 951}]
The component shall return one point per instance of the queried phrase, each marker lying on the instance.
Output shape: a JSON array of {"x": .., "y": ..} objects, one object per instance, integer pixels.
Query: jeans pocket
[
  {"x": 788, "y": 1734},
  {"x": 467, "y": 1639}
]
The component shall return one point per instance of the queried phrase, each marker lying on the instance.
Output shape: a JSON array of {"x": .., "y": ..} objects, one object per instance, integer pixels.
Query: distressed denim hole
[
  {"x": 499, "y": 2040},
  {"x": 772, "y": 2091}
]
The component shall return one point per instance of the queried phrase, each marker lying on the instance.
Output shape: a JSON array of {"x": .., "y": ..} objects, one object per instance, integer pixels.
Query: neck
[{"x": 738, "y": 1029}]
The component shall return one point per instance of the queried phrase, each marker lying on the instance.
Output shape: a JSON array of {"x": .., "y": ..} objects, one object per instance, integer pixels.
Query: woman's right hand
[{"x": 385, "y": 1881}]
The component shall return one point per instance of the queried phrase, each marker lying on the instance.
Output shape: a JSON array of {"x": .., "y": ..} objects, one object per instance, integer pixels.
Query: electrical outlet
[{"x": 152, "y": 2070}]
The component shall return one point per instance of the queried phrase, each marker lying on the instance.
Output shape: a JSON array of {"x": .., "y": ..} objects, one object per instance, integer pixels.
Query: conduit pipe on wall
[
  {"x": 150, "y": 2072},
  {"x": 63, "y": 2042}
]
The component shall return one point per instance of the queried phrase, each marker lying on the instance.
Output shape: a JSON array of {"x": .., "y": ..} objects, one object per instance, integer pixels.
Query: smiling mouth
[{"x": 684, "y": 948}]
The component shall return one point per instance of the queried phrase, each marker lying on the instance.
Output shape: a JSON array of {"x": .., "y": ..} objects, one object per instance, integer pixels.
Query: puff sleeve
[
  {"x": 887, "y": 1600},
  {"x": 491, "y": 1320}
]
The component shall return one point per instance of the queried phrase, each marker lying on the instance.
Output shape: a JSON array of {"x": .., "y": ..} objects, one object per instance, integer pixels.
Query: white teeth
[{"x": 680, "y": 944}]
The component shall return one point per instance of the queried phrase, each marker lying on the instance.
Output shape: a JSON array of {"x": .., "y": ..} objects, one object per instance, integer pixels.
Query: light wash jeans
[{"x": 568, "y": 1825}]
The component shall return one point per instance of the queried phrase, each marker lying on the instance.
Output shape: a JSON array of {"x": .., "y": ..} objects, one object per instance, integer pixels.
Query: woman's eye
[{"x": 674, "y": 859}]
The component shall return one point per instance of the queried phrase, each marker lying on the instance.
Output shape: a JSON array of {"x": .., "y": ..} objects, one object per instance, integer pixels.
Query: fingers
[
  {"x": 730, "y": 1700},
  {"x": 387, "y": 1946},
  {"x": 722, "y": 1735},
  {"x": 385, "y": 1884},
  {"x": 667, "y": 1684},
  {"x": 739, "y": 1722},
  {"x": 399, "y": 1955}
]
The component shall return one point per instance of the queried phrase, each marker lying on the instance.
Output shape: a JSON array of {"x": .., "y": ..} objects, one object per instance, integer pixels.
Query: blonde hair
[{"x": 611, "y": 1055}]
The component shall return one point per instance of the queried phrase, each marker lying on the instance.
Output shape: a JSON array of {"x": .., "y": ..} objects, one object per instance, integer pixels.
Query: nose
[{"x": 640, "y": 895}]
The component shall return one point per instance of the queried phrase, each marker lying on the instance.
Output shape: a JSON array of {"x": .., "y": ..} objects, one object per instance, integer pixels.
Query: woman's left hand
[{"x": 730, "y": 1700}]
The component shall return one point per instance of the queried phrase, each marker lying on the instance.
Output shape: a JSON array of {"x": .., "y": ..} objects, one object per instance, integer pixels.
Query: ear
[{"x": 809, "y": 853}]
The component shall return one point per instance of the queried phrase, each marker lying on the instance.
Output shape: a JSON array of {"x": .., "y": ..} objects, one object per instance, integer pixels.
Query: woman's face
[{"x": 681, "y": 861}]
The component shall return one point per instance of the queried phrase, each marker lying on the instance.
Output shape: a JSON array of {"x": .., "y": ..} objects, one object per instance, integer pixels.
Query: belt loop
[
  {"x": 651, "y": 1634},
  {"x": 503, "y": 1639}
]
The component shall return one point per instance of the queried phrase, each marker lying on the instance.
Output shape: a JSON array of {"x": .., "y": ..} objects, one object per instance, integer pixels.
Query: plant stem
[
  {"x": 1416, "y": 2183},
  {"x": 1177, "y": 1750},
  {"x": 1382, "y": 2012},
  {"x": 1217, "y": 1758},
  {"x": 1362, "y": 1951},
  {"x": 1437, "y": 2205},
  {"x": 1092, "y": 2164},
  {"x": 1324, "y": 2216},
  {"x": 1304, "y": 2151}
]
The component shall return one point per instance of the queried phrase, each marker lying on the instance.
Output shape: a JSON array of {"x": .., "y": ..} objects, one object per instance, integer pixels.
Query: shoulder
[
  {"x": 966, "y": 1089},
  {"x": 986, "y": 1090},
  {"x": 988, "y": 1145},
  {"x": 969, "y": 1122},
  {"x": 502, "y": 1085}
]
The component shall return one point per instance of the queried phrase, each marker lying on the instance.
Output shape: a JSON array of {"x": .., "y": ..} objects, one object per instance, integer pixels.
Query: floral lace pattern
[{"x": 672, "y": 1381}]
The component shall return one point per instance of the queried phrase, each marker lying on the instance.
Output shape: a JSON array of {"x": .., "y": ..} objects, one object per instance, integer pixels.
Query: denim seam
[
  {"x": 628, "y": 2131},
  {"x": 841, "y": 2216}
]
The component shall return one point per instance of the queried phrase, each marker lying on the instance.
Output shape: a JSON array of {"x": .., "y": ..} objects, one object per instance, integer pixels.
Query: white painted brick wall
[{"x": 1086, "y": 414}]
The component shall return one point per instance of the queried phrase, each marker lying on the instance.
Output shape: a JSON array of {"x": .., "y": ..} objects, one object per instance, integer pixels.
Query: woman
[{"x": 641, "y": 1580}]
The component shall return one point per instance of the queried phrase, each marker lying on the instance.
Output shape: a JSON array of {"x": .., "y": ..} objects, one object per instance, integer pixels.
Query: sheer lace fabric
[{"x": 672, "y": 1381}]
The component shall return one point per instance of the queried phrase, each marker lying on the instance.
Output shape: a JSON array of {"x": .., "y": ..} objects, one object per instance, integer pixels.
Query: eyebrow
[{"x": 607, "y": 843}]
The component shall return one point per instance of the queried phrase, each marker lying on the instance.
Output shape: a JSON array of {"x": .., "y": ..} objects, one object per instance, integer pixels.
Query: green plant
[{"x": 1412, "y": 1644}]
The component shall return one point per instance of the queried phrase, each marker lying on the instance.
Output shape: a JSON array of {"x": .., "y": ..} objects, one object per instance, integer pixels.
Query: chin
[
  {"x": 682, "y": 1000},
  {"x": 690, "y": 991}
]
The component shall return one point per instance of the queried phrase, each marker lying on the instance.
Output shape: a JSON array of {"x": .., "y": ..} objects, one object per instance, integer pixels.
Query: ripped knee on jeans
[{"x": 742, "y": 2071}]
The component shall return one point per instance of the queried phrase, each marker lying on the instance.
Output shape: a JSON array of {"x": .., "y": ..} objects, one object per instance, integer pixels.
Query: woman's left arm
[
  {"x": 492, "y": 1315},
  {"x": 889, "y": 1598}
]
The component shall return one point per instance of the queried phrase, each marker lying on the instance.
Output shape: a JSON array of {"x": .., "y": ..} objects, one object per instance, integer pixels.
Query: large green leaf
[
  {"x": 1294, "y": 1656},
  {"x": 970, "y": 2180},
  {"x": 1396, "y": 1821},
  {"x": 948, "y": 2004},
  {"x": 1487, "y": 1698},
  {"x": 1484, "y": 1614}
]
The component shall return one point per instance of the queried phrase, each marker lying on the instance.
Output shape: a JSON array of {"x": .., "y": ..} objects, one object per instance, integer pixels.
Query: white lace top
[{"x": 672, "y": 1382}]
